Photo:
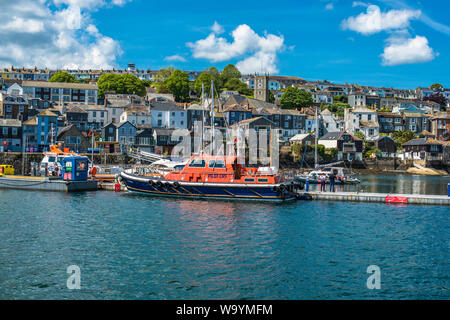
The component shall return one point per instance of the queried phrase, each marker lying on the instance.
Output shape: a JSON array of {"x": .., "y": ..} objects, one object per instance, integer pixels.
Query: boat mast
[
  {"x": 212, "y": 114},
  {"x": 203, "y": 116},
  {"x": 315, "y": 149}
]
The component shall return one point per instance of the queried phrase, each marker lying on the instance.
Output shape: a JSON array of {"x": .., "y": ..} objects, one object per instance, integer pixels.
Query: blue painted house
[
  {"x": 126, "y": 135},
  {"x": 40, "y": 131},
  {"x": 236, "y": 113}
]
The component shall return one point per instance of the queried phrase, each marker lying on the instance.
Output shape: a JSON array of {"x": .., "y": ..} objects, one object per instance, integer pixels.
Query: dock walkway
[{"x": 380, "y": 197}]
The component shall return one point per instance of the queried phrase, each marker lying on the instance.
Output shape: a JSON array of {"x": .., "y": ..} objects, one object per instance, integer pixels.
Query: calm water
[
  {"x": 137, "y": 247},
  {"x": 407, "y": 184}
]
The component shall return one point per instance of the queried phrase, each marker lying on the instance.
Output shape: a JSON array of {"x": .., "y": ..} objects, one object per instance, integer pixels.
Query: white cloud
[
  {"x": 329, "y": 6},
  {"x": 374, "y": 21},
  {"x": 217, "y": 28},
  {"x": 360, "y": 4},
  {"x": 175, "y": 57},
  {"x": 406, "y": 50},
  {"x": 36, "y": 33},
  {"x": 256, "y": 53},
  {"x": 89, "y": 4}
]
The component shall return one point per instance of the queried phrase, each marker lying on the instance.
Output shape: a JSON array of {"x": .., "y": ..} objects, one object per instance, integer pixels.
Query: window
[
  {"x": 5, "y": 131},
  {"x": 94, "y": 114},
  {"x": 263, "y": 180},
  {"x": 14, "y": 131},
  {"x": 249, "y": 180},
  {"x": 82, "y": 165},
  {"x": 197, "y": 163},
  {"x": 220, "y": 164}
]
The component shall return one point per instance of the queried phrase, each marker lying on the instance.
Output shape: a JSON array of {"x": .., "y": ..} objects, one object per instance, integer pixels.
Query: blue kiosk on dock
[{"x": 75, "y": 168}]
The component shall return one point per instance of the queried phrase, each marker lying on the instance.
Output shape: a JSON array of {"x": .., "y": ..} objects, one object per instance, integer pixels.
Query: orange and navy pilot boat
[{"x": 216, "y": 177}]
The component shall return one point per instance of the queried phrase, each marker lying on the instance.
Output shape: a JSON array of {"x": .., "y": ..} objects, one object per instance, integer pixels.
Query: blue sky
[{"x": 338, "y": 40}]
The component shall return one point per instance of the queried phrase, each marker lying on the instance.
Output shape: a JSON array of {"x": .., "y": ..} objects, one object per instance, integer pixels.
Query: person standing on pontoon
[{"x": 322, "y": 183}]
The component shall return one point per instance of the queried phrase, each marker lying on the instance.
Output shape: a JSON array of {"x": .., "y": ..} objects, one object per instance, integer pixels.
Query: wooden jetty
[
  {"x": 378, "y": 197},
  {"x": 46, "y": 184}
]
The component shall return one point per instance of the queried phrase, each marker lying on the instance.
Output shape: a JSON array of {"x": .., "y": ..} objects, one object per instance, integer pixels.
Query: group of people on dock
[{"x": 323, "y": 181}]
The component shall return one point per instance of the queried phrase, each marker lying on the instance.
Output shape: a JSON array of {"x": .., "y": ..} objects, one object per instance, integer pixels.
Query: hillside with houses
[{"x": 129, "y": 109}]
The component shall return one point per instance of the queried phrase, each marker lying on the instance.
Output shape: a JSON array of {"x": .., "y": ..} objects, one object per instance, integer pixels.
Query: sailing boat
[
  {"x": 343, "y": 176},
  {"x": 214, "y": 177}
]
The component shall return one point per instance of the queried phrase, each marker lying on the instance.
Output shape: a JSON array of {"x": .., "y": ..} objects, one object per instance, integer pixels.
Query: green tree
[
  {"x": 360, "y": 135},
  {"x": 121, "y": 84},
  {"x": 215, "y": 74},
  {"x": 230, "y": 72},
  {"x": 147, "y": 83},
  {"x": 160, "y": 77},
  {"x": 401, "y": 137},
  {"x": 436, "y": 86},
  {"x": 296, "y": 98},
  {"x": 178, "y": 85},
  {"x": 235, "y": 84},
  {"x": 62, "y": 76},
  {"x": 341, "y": 98},
  {"x": 271, "y": 97},
  {"x": 205, "y": 79}
]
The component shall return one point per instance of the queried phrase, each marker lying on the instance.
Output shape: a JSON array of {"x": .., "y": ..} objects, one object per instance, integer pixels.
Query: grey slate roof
[{"x": 164, "y": 106}]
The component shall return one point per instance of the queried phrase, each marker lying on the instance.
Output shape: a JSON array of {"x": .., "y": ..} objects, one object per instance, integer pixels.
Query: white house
[
  {"x": 364, "y": 120},
  {"x": 168, "y": 115},
  {"x": 330, "y": 123},
  {"x": 97, "y": 116},
  {"x": 137, "y": 115},
  {"x": 357, "y": 99},
  {"x": 15, "y": 90}
]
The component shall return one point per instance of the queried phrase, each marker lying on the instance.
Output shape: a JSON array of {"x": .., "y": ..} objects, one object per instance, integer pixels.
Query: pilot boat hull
[{"x": 207, "y": 190}]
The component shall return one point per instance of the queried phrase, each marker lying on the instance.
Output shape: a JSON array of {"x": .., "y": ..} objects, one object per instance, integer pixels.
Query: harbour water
[{"x": 139, "y": 247}]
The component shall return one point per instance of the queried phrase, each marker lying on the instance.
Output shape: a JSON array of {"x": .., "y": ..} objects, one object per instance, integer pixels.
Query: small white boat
[{"x": 342, "y": 176}]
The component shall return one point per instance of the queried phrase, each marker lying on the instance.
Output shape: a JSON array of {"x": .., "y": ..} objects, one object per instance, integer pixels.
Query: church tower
[{"x": 261, "y": 91}]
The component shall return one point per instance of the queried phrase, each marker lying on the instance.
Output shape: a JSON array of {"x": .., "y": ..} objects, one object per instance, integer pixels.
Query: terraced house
[
  {"x": 417, "y": 122},
  {"x": 61, "y": 92},
  {"x": 11, "y": 134},
  {"x": 390, "y": 122},
  {"x": 13, "y": 107}
]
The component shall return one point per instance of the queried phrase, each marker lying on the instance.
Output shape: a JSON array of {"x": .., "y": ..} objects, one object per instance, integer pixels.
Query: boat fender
[
  {"x": 159, "y": 184},
  {"x": 275, "y": 189},
  {"x": 282, "y": 187},
  {"x": 119, "y": 179},
  {"x": 176, "y": 184}
]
